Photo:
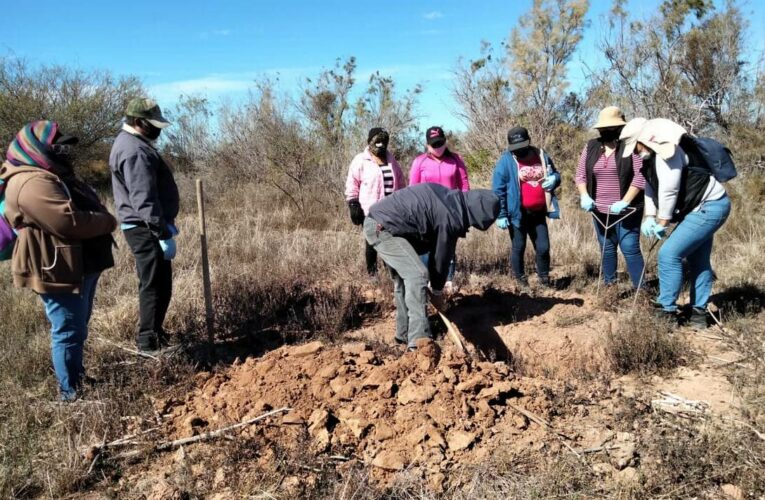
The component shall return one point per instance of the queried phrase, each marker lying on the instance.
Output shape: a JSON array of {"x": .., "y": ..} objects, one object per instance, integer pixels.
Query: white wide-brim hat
[
  {"x": 662, "y": 136},
  {"x": 630, "y": 134}
]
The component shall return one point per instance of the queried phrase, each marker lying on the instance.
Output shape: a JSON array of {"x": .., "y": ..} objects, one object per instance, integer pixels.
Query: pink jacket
[
  {"x": 365, "y": 179},
  {"x": 449, "y": 171}
]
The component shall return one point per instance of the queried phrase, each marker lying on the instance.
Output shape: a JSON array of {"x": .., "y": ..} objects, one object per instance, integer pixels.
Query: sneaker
[
  {"x": 698, "y": 319},
  {"x": 546, "y": 282},
  {"x": 449, "y": 287},
  {"x": 399, "y": 341}
]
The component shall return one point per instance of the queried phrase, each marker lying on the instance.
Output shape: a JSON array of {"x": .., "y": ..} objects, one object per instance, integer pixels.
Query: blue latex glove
[
  {"x": 548, "y": 183},
  {"x": 587, "y": 203},
  {"x": 646, "y": 228},
  {"x": 618, "y": 207},
  {"x": 503, "y": 223},
  {"x": 173, "y": 230},
  {"x": 168, "y": 248},
  {"x": 659, "y": 231}
]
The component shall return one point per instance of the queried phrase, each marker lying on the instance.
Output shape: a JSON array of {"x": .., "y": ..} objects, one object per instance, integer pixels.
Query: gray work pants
[{"x": 410, "y": 279}]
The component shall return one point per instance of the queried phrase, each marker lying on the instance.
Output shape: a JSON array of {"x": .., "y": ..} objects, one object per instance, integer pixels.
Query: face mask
[
  {"x": 521, "y": 153},
  {"x": 610, "y": 134},
  {"x": 437, "y": 152},
  {"x": 150, "y": 131},
  {"x": 380, "y": 150}
]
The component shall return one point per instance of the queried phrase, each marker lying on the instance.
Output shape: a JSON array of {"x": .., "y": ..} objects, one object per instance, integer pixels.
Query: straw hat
[
  {"x": 610, "y": 117},
  {"x": 661, "y": 136},
  {"x": 630, "y": 134}
]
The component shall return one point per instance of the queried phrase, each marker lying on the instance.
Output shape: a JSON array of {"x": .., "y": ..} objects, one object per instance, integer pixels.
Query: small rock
[
  {"x": 318, "y": 420},
  {"x": 460, "y": 440},
  {"x": 386, "y": 389},
  {"x": 496, "y": 390},
  {"x": 472, "y": 384},
  {"x": 409, "y": 392},
  {"x": 417, "y": 436},
  {"x": 389, "y": 460},
  {"x": 732, "y": 491},
  {"x": 629, "y": 475},
  {"x": 328, "y": 372},
  {"x": 357, "y": 426},
  {"x": 367, "y": 357},
  {"x": 603, "y": 468},
  {"x": 292, "y": 418},
  {"x": 308, "y": 349},
  {"x": 623, "y": 455},
  {"x": 383, "y": 432},
  {"x": 355, "y": 348}
]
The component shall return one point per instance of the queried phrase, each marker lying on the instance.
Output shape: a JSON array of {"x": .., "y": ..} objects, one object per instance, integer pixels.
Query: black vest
[
  {"x": 624, "y": 168},
  {"x": 693, "y": 185}
]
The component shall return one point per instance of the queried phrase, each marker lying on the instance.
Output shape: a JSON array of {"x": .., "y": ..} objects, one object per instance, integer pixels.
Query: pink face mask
[{"x": 437, "y": 152}]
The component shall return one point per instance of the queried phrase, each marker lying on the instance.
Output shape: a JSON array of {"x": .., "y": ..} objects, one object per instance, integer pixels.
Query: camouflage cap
[{"x": 143, "y": 107}]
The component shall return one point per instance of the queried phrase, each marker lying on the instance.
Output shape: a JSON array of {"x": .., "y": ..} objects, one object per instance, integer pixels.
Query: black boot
[{"x": 698, "y": 319}]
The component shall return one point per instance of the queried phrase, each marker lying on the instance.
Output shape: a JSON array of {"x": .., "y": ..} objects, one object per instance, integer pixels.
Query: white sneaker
[{"x": 448, "y": 287}]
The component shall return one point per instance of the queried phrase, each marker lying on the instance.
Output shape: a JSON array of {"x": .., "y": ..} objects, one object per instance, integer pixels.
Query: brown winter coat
[{"x": 48, "y": 255}]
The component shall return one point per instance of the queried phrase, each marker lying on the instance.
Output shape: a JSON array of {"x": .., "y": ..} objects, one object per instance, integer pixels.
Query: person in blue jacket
[{"x": 525, "y": 180}]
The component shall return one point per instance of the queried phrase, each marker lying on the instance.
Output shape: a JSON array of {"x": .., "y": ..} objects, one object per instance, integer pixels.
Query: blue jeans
[
  {"x": 624, "y": 235},
  {"x": 534, "y": 226},
  {"x": 691, "y": 240},
  {"x": 69, "y": 314},
  {"x": 452, "y": 265}
]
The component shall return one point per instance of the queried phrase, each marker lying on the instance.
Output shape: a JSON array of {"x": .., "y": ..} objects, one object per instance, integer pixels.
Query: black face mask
[
  {"x": 521, "y": 153},
  {"x": 610, "y": 134},
  {"x": 150, "y": 131},
  {"x": 380, "y": 151}
]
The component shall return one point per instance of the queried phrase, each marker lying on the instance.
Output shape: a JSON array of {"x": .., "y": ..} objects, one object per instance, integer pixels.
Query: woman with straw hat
[{"x": 611, "y": 188}]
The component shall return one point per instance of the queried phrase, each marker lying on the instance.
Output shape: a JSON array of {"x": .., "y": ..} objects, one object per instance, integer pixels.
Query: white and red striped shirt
[{"x": 607, "y": 178}]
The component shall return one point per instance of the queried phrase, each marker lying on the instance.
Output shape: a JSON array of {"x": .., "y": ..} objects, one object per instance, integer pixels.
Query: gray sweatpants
[{"x": 410, "y": 280}]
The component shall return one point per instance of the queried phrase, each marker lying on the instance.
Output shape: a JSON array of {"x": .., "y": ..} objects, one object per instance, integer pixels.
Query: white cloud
[
  {"x": 207, "y": 85},
  {"x": 433, "y": 15}
]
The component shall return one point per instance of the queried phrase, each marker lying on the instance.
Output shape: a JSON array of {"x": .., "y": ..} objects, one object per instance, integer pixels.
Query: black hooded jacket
[{"x": 431, "y": 218}]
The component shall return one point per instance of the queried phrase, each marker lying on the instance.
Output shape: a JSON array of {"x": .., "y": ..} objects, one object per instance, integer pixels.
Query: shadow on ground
[{"x": 477, "y": 317}]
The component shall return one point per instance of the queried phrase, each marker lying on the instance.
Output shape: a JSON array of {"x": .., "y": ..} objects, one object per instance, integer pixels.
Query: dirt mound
[{"x": 423, "y": 411}]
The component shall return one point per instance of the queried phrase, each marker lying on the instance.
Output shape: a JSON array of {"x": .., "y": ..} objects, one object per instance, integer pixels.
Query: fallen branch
[
  {"x": 214, "y": 434},
  {"x": 547, "y": 425},
  {"x": 127, "y": 349}
]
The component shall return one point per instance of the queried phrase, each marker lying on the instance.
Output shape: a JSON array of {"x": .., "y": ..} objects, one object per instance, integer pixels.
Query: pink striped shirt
[{"x": 607, "y": 178}]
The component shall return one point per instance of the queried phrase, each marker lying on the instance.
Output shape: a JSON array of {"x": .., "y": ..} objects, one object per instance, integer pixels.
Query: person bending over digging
[
  {"x": 424, "y": 219},
  {"x": 684, "y": 178}
]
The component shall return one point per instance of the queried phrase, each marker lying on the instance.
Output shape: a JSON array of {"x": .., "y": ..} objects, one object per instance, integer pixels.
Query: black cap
[
  {"x": 66, "y": 139},
  {"x": 435, "y": 137},
  {"x": 517, "y": 138}
]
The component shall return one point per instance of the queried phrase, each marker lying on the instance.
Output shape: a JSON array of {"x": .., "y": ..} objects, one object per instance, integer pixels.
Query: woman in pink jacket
[
  {"x": 439, "y": 166},
  {"x": 373, "y": 174}
]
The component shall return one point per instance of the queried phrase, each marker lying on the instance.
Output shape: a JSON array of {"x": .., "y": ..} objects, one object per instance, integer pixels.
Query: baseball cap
[
  {"x": 435, "y": 137},
  {"x": 148, "y": 109},
  {"x": 517, "y": 138}
]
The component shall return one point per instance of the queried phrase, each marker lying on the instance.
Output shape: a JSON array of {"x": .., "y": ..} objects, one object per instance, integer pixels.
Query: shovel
[{"x": 453, "y": 332}]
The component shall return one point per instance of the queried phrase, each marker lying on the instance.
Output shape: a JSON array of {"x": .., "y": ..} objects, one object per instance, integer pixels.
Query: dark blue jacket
[
  {"x": 431, "y": 218},
  {"x": 507, "y": 187}
]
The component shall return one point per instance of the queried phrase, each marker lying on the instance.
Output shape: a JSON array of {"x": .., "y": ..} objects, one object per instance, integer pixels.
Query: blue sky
[{"x": 217, "y": 48}]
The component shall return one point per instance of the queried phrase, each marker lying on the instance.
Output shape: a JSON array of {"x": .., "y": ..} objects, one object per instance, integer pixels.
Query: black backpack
[{"x": 710, "y": 156}]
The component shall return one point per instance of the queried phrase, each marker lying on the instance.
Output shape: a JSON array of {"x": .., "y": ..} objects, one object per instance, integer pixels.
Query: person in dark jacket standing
[
  {"x": 64, "y": 240},
  {"x": 147, "y": 200},
  {"x": 423, "y": 219},
  {"x": 611, "y": 186}
]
